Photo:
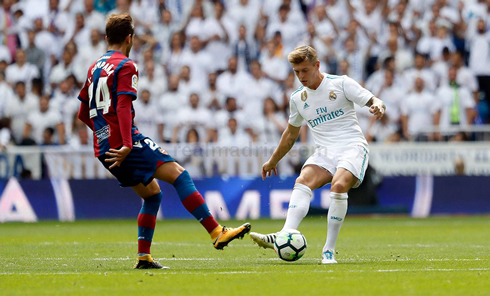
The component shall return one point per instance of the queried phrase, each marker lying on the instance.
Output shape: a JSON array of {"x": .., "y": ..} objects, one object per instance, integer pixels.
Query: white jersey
[{"x": 329, "y": 111}]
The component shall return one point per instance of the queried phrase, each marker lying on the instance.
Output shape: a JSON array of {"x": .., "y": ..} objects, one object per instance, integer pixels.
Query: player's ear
[
  {"x": 317, "y": 64},
  {"x": 105, "y": 37},
  {"x": 129, "y": 38}
]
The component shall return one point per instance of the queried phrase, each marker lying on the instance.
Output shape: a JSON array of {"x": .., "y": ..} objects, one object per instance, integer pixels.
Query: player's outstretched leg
[
  {"x": 146, "y": 226},
  {"x": 196, "y": 205},
  {"x": 335, "y": 217},
  {"x": 312, "y": 176},
  {"x": 265, "y": 241}
]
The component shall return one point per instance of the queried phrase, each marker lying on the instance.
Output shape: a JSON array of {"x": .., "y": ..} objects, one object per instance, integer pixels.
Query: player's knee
[
  {"x": 340, "y": 187},
  {"x": 304, "y": 180}
]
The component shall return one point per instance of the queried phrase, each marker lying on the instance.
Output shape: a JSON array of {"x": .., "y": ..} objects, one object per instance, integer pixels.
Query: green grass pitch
[{"x": 377, "y": 256}]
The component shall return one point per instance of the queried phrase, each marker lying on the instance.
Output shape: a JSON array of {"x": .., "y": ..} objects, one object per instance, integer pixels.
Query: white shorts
[{"x": 352, "y": 158}]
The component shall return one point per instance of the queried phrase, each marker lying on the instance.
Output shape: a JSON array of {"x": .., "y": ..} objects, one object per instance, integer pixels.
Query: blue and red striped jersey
[{"x": 112, "y": 77}]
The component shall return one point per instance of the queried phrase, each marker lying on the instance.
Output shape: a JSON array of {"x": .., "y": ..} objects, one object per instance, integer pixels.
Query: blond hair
[{"x": 303, "y": 53}]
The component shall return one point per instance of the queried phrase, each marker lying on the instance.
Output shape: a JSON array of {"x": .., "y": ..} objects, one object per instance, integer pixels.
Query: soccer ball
[{"x": 290, "y": 245}]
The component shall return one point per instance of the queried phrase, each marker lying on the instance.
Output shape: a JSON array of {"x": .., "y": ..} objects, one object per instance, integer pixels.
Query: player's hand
[
  {"x": 268, "y": 168},
  {"x": 117, "y": 156},
  {"x": 377, "y": 110}
]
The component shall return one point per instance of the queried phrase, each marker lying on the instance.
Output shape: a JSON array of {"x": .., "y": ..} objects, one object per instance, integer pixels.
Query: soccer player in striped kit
[
  {"x": 135, "y": 160},
  {"x": 326, "y": 103}
]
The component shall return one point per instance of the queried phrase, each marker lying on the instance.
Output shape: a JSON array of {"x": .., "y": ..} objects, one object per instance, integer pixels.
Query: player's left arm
[
  {"x": 354, "y": 92},
  {"x": 126, "y": 92},
  {"x": 376, "y": 107},
  {"x": 124, "y": 116}
]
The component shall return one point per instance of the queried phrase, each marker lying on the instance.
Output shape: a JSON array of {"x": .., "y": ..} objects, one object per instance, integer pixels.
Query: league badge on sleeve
[
  {"x": 134, "y": 83},
  {"x": 332, "y": 96}
]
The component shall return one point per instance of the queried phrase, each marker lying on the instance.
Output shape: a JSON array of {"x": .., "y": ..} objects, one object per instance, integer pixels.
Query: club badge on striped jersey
[
  {"x": 332, "y": 96},
  {"x": 304, "y": 96}
]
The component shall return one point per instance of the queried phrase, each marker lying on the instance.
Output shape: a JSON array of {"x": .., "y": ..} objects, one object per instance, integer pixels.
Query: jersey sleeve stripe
[
  {"x": 82, "y": 100},
  {"x": 127, "y": 93},
  {"x": 114, "y": 81}
]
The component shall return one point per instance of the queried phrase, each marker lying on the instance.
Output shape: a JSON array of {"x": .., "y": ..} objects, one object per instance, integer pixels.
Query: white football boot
[
  {"x": 265, "y": 241},
  {"x": 328, "y": 257}
]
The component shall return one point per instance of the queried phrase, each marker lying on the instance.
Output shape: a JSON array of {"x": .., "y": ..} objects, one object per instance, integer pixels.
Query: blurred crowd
[{"x": 217, "y": 71}]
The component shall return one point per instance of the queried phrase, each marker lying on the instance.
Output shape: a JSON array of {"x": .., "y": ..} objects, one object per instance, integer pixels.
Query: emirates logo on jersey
[
  {"x": 332, "y": 96},
  {"x": 304, "y": 96}
]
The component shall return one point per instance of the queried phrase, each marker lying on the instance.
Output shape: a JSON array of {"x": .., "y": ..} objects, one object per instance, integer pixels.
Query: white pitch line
[
  {"x": 267, "y": 259},
  {"x": 186, "y": 272}
]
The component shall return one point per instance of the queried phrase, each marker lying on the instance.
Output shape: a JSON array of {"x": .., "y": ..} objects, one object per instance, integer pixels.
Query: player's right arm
[
  {"x": 288, "y": 139},
  {"x": 83, "y": 112}
]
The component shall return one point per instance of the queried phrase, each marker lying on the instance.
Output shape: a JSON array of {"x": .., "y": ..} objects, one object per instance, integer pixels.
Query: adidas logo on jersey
[{"x": 306, "y": 106}]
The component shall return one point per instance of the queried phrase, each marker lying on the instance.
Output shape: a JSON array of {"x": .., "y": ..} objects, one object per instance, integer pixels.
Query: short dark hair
[{"x": 118, "y": 26}]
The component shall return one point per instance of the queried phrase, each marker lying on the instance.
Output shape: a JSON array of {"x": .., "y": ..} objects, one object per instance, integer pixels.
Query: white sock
[
  {"x": 336, "y": 216},
  {"x": 299, "y": 204}
]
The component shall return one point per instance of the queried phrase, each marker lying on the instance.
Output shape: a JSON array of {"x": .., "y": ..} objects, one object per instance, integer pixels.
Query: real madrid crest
[
  {"x": 332, "y": 96},
  {"x": 304, "y": 96}
]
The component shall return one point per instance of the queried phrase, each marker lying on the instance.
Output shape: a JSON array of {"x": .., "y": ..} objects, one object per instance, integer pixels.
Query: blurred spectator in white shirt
[
  {"x": 233, "y": 135},
  {"x": 231, "y": 82},
  {"x": 66, "y": 104},
  {"x": 230, "y": 110},
  {"x": 164, "y": 30},
  {"x": 169, "y": 105},
  {"x": 274, "y": 65},
  {"x": 417, "y": 112},
  {"x": 199, "y": 61},
  {"x": 35, "y": 55},
  {"x": 419, "y": 70},
  {"x": 193, "y": 116},
  {"x": 81, "y": 33},
  {"x": 59, "y": 22},
  {"x": 257, "y": 89},
  {"x": 269, "y": 127},
  {"x": 41, "y": 119},
  {"x": 21, "y": 70},
  {"x": 146, "y": 114},
  {"x": 88, "y": 54},
  {"x": 212, "y": 98},
  {"x": 291, "y": 31},
  {"x": 93, "y": 18},
  {"x": 403, "y": 57},
  {"x": 441, "y": 40},
  {"x": 6, "y": 94},
  {"x": 194, "y": 26},
  {"x": 479, "y": 62},
  {"x": 173, "y": 58},
  {"x": 441, "y": 67},
  {"x": 454, "y": 104},
  {"x": 18, "y": 108},
  {"x": 465, "y": 77},
  {"x": 64, "y": 69},
  {"x": 154, "y": 79},
  {"x": 245, "y": 12},
  {"x": 145, "y": 15},
  {"x": 216, "y": 38},
  {"x": 393, "y": 97},
  {"x": 47, "y": 42},
  {"x": 187, "y": 85}
]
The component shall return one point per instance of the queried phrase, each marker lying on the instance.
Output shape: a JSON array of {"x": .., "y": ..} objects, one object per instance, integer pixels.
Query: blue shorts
[{"x": 140, "y": 164}]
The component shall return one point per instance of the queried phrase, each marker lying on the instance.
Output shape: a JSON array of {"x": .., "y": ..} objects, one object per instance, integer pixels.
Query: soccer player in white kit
[{"x": 326, "y": 103}]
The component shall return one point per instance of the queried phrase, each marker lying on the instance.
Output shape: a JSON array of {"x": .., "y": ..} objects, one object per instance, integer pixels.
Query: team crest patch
[
  {"x": 304, "y": 96},
  {"x": 332, "y": 96},
  {"x": 134, "y": 82},
  {"x": 162, "y": 151}
]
